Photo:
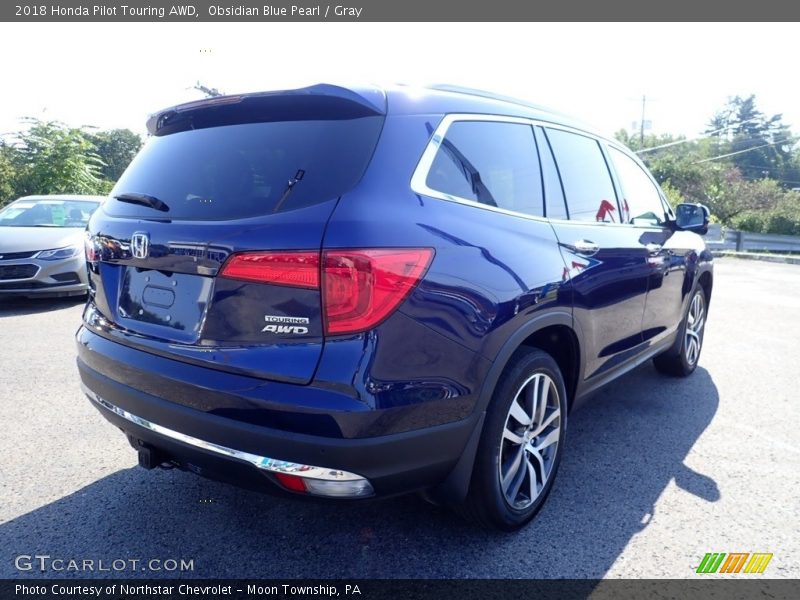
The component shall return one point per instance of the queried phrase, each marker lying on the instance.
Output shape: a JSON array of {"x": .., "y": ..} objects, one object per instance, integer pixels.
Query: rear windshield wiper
[
  {"x": 289, "y": 187},
  {"x": 143, "y": 199}
]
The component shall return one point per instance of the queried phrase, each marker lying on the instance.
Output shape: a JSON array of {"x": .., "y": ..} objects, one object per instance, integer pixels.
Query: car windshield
[{"x": 47, "y": 213}]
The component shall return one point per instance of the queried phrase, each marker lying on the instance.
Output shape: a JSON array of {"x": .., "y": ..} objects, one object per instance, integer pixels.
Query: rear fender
[{"x": 454, "y": 489}]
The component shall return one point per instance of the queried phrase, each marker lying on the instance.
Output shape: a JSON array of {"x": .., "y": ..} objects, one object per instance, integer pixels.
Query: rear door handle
[{"x": 586, "y": 247}]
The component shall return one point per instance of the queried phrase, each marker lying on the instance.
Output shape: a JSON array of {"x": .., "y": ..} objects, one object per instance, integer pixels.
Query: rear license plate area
[{"x": 159, "y": 302}]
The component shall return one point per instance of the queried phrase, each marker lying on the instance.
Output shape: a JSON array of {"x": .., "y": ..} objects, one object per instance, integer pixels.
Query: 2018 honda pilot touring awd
[{"x": 363, "y": 292}]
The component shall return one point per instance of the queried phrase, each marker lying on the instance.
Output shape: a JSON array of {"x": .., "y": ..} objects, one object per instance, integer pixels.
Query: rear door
[
  {"x": 605, "y": 261},
  {"x": 208, "y": 249}
]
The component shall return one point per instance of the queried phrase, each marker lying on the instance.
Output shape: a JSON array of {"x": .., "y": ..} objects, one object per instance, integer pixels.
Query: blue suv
[{"x": 350, "y": 293}]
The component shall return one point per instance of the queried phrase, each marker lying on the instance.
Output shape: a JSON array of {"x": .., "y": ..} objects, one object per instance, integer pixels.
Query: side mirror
[{"x": 692, "y": 217}]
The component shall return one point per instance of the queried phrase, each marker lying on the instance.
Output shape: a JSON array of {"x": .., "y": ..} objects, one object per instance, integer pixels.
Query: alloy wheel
[
  {"x": 695, "y": 322},
  {"x": 529, "y": 442}
]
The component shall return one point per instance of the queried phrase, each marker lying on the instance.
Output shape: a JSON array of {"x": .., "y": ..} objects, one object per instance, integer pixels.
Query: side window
[
  {"x": 641, "y": 202},
  {"x": 489, "y": 162},
  {"x": 584, "y": 174},
  {"x": 555, "y": 207}
]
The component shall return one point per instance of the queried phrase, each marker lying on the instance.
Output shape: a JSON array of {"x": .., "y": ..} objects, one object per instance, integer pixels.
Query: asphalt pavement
[{"x": 656, "y": 473}]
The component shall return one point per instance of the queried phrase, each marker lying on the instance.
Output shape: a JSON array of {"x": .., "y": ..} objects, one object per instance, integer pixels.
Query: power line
[
  {"x": 763, "y": 169},
  {"x": 694, "y": 139},
  {"x": 771, "y": 179},
  {"x": 697, "y": 162}
]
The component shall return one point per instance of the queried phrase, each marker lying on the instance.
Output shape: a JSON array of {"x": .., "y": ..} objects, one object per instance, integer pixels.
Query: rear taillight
[
  {"x": 360, "y": 288},
  {"x": 326, "y": 482},
  {"x": 294, "y": 269}
]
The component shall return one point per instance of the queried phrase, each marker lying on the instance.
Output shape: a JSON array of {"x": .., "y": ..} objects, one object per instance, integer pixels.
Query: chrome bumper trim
[{"x": 261, "y": 462}]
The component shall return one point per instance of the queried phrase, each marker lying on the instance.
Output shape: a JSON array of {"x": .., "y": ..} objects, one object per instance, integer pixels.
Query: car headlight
[{"x": 59, "y": 253}]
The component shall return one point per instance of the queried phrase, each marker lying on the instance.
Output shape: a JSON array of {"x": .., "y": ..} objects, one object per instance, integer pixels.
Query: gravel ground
[{"x": 656, "y": 473}]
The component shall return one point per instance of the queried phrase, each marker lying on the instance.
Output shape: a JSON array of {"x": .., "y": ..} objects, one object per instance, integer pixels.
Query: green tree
[
  {"x": 686, "y": 174},
  {"x": 760, "y": 146},
  {"x": 52, "y": 158},
  {"x": 729, "y": 195},
  {"x": 784, "y": 218},
  {"x": 7, "y": 174},
  {"x": 675, "y": 163},
  {"x": 116, "y": 149}
]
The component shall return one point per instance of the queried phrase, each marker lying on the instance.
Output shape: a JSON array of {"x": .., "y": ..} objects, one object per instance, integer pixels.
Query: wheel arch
[{"x": 555, "y": 333}]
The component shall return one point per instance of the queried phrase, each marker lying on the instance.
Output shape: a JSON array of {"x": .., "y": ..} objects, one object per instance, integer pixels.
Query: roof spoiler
[{"x": 317, "y": 102}]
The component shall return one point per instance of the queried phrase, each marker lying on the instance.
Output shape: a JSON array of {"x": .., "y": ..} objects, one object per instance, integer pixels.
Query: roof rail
[{"x": 457, "y": 89}]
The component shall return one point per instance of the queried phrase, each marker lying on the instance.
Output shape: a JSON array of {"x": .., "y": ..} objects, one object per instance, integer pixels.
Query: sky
[{"x": 115, "y": 75}]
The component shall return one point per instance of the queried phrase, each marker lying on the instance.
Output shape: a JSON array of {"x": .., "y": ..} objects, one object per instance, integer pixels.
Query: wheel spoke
[
  {"x": 513, "y": 492},
  {"x": 532, "y": 397},
  {"x": 551, "y": 417},
  {"x": 516, "y": 482},
  {"x": 533, "y": 490},
  {"x": 691, "y": 352},
  {"x": 698, "y": 326},
  {"x": 542, "y": 401},
  {"x": 538, "y": 457},
  {"x": 519, "y": 414},
  {"x": 511, "y": 436},
  {"x": 550, "y": 439},
  {"x": 513, "y": 468}
]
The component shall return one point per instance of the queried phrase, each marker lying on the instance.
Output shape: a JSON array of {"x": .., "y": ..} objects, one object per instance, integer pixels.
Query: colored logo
[{"x": 735, "y": 562}]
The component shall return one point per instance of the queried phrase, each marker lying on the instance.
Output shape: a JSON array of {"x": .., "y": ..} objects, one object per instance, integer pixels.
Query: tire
[
  {"x": 682, "y": 360},
  {"x": 501, "y": 496}
]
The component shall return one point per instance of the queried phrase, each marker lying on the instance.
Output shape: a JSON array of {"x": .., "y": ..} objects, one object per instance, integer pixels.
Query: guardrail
[{"x": 722, "y": 238}]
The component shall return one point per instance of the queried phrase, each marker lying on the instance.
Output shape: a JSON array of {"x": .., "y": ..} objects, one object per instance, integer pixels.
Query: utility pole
[{"x": 641, "y": 123}]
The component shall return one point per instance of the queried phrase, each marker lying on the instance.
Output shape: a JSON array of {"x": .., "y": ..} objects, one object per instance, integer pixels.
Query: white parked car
[{"x": 42, "y": 245}]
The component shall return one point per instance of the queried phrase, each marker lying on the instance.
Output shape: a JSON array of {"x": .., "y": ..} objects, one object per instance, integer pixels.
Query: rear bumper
[{"x": 393, "y": 464}]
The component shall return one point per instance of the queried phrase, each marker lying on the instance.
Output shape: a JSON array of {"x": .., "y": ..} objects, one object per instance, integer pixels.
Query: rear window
[
  {"x": 247, "y": 170},
  {"x": 489, "y": 162}
]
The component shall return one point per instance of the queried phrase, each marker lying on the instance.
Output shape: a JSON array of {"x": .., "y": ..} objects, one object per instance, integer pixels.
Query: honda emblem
[{"x": 140, "y": 245}]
